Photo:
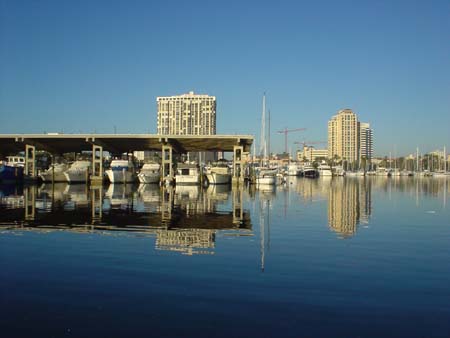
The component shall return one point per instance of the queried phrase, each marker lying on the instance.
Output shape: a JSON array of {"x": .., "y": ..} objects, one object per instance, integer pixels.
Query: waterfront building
[
  {"x": 311, "y": 154},
  {"x": 186, "y": 114},
  {"x": 349, "y": 139},
  {"x": 365, "y": 141}
]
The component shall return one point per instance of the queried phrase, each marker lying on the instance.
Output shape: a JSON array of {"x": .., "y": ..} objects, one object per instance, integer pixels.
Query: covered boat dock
[{"x": 58, "y": 144}]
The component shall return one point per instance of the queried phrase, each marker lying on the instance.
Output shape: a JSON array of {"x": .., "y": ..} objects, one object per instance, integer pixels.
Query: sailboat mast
[
  {"x": 445, "y": 160},
  {"x": 417, "y": 159},
  {"x": 263, "y": 146},
  {"x": 268, "y": 139}
]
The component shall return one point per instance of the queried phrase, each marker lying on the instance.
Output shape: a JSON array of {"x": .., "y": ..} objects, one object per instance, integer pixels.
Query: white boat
[
  {"x": 324, "y": 170},
  {"x": 187, "y": 174},
  {"x": 382, "y": 171},
  {"x": 218, "y": 173},
  {"x": 339, "y": 171},
  {"x": 266, "y": 176},
  {"x": 78, "y": 172},
  {"x": 55, "y": 173},
  {"x": 121, "y": 171},
  {"x": 395, "y": 173},
  {"x": 294, "y": 169},
  {"x": 150, "y": 173}
]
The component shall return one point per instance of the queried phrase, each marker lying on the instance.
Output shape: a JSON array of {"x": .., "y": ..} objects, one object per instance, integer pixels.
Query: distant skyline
[{"x": 98, "y": 66}]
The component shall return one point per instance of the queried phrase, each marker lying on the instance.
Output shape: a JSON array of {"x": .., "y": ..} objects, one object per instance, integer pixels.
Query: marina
[
  {"x": 224, "y": 169},
  {"x": 93, "y": 169},
  {"x": 343, "y": 246}
]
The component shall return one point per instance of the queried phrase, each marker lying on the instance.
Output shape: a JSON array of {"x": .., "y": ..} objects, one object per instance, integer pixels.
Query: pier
[{"x": 168, "y": 145}]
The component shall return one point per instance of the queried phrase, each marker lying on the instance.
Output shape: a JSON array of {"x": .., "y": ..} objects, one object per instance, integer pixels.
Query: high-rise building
[
  {"x": 365, "y": 141},
  {"x": 187, "y": 114},
  {"x": 349, "y": 139},
  {"x": 343, "y": 136}
]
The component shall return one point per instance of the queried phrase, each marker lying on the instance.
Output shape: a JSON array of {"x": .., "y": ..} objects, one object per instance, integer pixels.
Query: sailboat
[
  {"x": 264, "y": 174},
  {"x": 444, "y": 172}
]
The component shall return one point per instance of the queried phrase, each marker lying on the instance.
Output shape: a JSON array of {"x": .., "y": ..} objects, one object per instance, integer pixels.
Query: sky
[{"x": 98, "y": 66}]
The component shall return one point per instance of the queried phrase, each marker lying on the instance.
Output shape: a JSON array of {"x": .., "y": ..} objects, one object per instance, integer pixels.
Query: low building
[{"x": 311, "y": 154}]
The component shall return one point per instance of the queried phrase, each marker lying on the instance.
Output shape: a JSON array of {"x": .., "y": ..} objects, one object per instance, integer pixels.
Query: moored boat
[
  {"x": 324, "y": 170},
  {"x": 150, "y": 173},
  {"x": 187, "y": 174},
  {"x": 10, "y": 173},
  {"x": 265, "y": 176},
  {"x": 121, "y": 171},
  {"x": 78, "y": 172},
  {"x": 55, "y": 173},
  {"x": 310, "y": 172},
  {"x": 218, "y": 173},
  {"x": 294, "y": 169}
]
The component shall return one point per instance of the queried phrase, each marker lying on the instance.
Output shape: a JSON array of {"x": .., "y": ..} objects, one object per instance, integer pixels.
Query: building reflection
[
  {"x": 182, "y": 219},
  {"x": 349, "y": 204}
]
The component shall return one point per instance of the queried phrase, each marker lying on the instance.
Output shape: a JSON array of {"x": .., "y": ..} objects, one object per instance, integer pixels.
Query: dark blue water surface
[{"x": 314, "y": 258}]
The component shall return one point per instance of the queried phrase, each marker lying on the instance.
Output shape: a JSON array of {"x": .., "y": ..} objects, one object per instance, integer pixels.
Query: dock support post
[
  {"x": 30, "y": 161},
  {"x": 238, "y": 211},
  {"x": 166, "y": 205},
  {"x": 238, "y": 170},
  {"x": 97, "y": 203},
  {"x": 166, "y": 162},
  {"x": 97, "y": 164},
  {"x": 30, "y": 202}
]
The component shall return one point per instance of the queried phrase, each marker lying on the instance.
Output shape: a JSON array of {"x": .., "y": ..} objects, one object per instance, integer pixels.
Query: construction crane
[{"x": 285, "y": 132}]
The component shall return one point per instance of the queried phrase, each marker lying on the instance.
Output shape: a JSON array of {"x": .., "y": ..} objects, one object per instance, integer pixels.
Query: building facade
[
  {"x": 365, "y": 141},
  {"x": 348, "y": 139},
  {"x": 311, "y": 154},
  {"x": 343, "y": 136},
  {"x": 186, "y": 114}
]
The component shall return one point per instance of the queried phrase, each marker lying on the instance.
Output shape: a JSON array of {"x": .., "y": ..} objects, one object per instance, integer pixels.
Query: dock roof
[{"x": 120, "y": 143}]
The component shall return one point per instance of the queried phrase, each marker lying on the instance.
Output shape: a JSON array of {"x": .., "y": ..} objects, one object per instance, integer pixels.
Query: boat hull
[
  {"x": 47, "y": 176},
  {"x": 325, "y": 173},
  {"x": 311, "y": 173},
  {"x": 148, "y": 178},
  {"x": 266, "y": 180},
  {"x": 187, "y": 179},
  {"x": 215, "y": 178},
  {"x": 77, "y": 176},
  {"x": 9, "y": 174}
]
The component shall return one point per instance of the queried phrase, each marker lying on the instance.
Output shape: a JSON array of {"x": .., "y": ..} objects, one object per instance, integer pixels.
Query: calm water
[{"x": 315, "y": 258}]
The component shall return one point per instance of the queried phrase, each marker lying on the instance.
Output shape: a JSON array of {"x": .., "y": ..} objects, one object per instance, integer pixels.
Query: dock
[{"x": 168, "y": 145}]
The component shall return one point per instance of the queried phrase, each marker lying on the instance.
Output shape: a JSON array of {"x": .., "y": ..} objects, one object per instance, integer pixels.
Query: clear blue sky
[{"x": 87, "y": 66}]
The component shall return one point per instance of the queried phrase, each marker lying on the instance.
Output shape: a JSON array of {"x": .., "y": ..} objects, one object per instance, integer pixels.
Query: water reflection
[
  {"x": 183, "y": 219},
  {"x": 187, "y": 218},
  {"x": 349, "y": 204}
]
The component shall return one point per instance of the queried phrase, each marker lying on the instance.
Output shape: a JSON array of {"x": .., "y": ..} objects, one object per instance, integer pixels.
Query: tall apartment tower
[
  {"x": 343, "y": 136},
  {"x": 186, "y": 114},
  {"x": 348, "y": 138},
  {"x": 366, "y": 141}
]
